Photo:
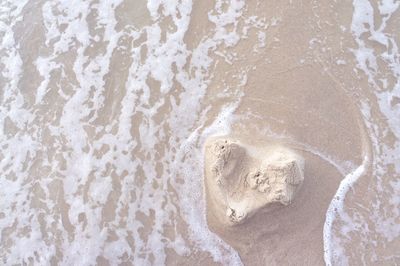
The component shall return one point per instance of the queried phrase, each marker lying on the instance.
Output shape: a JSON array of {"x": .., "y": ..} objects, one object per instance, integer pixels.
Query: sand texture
[
  {"x": 264, "y": 198},
  {"x": 242, "y": 184},
  {"x": 206, "y": 132}
]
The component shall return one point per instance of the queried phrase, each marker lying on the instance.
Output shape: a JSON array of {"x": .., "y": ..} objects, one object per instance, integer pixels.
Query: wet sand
[{"x": 106, "y": 109}]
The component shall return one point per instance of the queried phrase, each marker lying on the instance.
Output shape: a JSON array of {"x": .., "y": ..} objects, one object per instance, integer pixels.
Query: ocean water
[
  {"x": 105, "y": 105},
  {"x": 372, "y": 222}
]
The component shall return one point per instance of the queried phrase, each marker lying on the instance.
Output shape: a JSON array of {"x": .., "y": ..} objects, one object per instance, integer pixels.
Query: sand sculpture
[{"x": 242, "y": 180}]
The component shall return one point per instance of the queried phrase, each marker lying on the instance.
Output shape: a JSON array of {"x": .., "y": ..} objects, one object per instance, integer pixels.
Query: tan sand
[
  {"x": 291, "y": 100},
  {"x": 242, "y": 181},
  {"x": 297, "y": 90},
  {"x": 277, "y": 232}
]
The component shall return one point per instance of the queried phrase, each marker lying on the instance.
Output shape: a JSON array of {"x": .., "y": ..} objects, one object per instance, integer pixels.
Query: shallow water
[{"x": 105, "y": 106}]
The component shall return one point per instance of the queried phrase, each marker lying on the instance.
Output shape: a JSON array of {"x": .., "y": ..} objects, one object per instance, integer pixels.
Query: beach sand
[
  {"x": 107, "y": 108},
  {"x": 289, "y": 92}
]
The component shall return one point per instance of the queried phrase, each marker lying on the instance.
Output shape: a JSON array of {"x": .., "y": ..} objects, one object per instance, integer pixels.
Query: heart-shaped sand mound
[{"x": 240, "y": 180}]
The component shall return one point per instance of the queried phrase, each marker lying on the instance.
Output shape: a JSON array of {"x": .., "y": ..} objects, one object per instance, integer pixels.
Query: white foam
[
  {"x": 383, "y": 206},
  {"x": 332, "y": 250},
  {"x": 63, "y": 150}
]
